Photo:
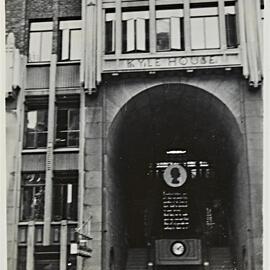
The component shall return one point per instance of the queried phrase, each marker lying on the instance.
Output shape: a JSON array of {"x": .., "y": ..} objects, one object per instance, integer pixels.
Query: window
[
  {"x": 32, "y": 196},
  {"x": 67, "y": 122},
  {"x": 204, "y": 26},
  {"x": 135, "y": 29},
  {"x": 36, "y": 125},
  {"x": 40, "y": 41},
  {"x": 230, "y": 20},
  {"x": 47, "y": 257},
  {"x": 70, "y": 32},
  {"x": 170, "y": 30},
  {"x": 110, "y": 33},
  {"x": 21, "y": 261},
  {"x": 65, "y": 196}
]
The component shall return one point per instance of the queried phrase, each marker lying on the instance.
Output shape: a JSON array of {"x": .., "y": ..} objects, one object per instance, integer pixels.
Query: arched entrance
[{"x": 172, "y": 157}]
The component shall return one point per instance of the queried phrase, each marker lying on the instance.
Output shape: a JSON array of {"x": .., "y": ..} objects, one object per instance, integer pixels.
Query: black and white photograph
[{"x": 134, "y": 134}]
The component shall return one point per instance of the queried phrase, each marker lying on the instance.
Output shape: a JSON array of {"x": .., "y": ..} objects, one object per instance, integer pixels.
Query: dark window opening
[
  {"x": 231, "y": 25},
  {"x": 36, "y": 124},
  {"x": 32, "y": 196},
  {"x": 67, "y": 124},
  {"x": 21, "y": 261},
  {"x": 65, "y": 197}
]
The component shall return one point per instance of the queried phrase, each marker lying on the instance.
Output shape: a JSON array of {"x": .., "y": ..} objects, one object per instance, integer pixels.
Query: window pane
[
  {"x": 62, "y": 119},
  {"x": 74, "y": 121},
  {"x": 231, "y": 35},
  {"x": 41, "y": 139},
  {"x": 140, "y": 35},
  {"x": 26, "y": 203},
  {"x": 21, "y": 262},
  {"x": 110, "y": 36},
  {"x": 34, "y": 47},
  {"x": 65, "y": 45},
  {"x": 130, "y": 35},
  {"x": 175, "y": 33},
  {"x": 31, "y": 119},
  {"x": 42, "y": 120},
  {"x": 203, "y": 11},
  {"x": 73, "y": 139},
  {"x": 163, "y": 34},
  {"x": 46, "y": 46},
  {"x": 212, "y": 33},
  {"x": 75, "y": 45},
  {"x": 57, "y": 202},
  {"x": 41, "y": 26},
  {"x": 38, "y": 203},
  {"x": 197, "y": 33}
]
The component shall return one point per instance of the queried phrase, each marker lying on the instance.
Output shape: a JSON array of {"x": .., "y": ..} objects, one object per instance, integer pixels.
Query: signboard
[
  {"x": 175, "y": 211},
  {"x": 175, "y": 175},
  {"x": 185, "y": 62},
  {"x": 81, "y": 249}
]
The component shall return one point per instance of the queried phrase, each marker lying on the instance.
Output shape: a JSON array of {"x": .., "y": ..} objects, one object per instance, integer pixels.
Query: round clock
[{"x": 178, "y": 248}]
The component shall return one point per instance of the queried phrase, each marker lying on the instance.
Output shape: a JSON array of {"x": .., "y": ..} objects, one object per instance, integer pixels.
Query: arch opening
[{"x": 160, "y": 135}]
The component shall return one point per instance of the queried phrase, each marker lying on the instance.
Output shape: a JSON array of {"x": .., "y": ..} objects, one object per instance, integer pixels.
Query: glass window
[
  {"x": 110, "y": 33},
  {"x": 65, "y": 197},
  {"x": 204, "y": 27},
  {"x": 135, "y": 29},
  {"x": 170, "y": 30},
  {"x": 40, "y": 41},
  {"x": 67, "y": 130},
  {"x": 21, "y": 261},
  {"x": 32, "y": 196},
  {"x": 70, "y": 40},
  {"x": 230, "y": 20},
  {"x": 36, "y": 127},
  {"x": 47, "y": 257}
]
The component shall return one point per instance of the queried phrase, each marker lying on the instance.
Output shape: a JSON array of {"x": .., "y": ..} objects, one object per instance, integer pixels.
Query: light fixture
[{"x": 176, "y": 152}]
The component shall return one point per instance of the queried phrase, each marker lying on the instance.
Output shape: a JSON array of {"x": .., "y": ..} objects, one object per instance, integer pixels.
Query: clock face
[{"x": 178, "y": 248}]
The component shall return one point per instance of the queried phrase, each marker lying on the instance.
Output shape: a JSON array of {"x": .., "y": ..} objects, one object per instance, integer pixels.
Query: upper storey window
[
  {"x": 110, "y": 33},
  {"x": 170, "y": 29},
  {"x": 36, "y": 125},
  {"x": 204, "y": 26},
  {"x": 135, "y": 31},
  {"x": 67, "y": 122},
  {"x": 231, "y": 29},
  {"x": 70, "y": 32},
  {"x": 40, "y": 41}
]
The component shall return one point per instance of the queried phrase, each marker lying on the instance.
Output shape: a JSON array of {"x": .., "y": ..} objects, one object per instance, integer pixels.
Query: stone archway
[{"x": 160, "y": 119}]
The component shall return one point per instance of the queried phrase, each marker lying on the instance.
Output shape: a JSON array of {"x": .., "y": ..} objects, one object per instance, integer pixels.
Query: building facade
[{"x": 134, "y": 134}]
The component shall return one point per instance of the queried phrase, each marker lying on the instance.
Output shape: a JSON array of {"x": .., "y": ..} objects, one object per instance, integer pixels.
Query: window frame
[
  {"x": 204, "y": 17},
  {"x": 69, "y": 30},
  {"x": 181, "y": 29},
  {"x": 35, "y": 105},
  {"x": 145, "y": 16},
  {"x": 62, "y": 180},
  {"x": 29, "y": 59},
  {"x": 34, "y": 191}
]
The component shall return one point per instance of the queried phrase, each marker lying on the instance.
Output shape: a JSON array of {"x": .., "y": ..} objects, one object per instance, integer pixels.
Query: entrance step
[
  {"x": 137, "y": 259},
  {"x": 220, "y": 258}
]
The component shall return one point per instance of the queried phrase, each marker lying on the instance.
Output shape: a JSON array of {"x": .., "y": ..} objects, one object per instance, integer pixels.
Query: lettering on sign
[
  {"x": 169, "y": 62},
  {"x": 175, "y": 208}
]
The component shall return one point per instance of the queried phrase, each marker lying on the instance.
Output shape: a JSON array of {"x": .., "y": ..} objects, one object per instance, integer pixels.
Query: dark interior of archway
[{"x": 165, "y": 118}]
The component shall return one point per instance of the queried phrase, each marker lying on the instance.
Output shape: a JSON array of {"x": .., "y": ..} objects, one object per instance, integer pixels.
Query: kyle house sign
[{"x": 125, "y": 64}]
